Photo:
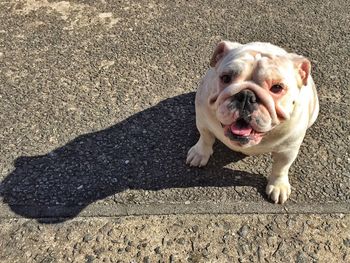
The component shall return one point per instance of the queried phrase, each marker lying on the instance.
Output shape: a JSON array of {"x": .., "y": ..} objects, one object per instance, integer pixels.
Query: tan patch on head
[
  {"x": 268, "y": 70},
  {"x": 256, "y": 66},
  {"x": 271, "y": 70}
]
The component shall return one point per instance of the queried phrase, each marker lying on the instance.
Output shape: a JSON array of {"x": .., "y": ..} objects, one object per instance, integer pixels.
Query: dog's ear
[
  {"x": 302, "y": 65},
  {"x": 221, "y": 50}
]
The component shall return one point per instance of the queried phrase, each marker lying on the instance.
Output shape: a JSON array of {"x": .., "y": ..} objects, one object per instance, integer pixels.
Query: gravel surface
[{"x": 209, "y": 238}]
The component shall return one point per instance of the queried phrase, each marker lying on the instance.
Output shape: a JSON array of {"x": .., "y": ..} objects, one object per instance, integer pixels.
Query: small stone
[
  {"x": 187, "y": 202},
  {"x": 48, "y": 259},
  {"x": 98, "y": 251},
  {"x": 181, "y": 241},
  {"x": 157, "y": 250},
  {"x": 89, "y": 259},
  {"x": 225, "y": 251},
  {"x": 146, "y": 260},
  {"x": 243, "y": 249},
  {"x": 226, "y": 225},
  {"x": 205, "y": 253},
  {"x": 171, "y": 258},
  {"x": 260, "y": 254},
  {"x": 144, "y": 245},
  {"x": 300, "y": 258},
  {"x": 195, "y": 229},
  {"x": 87, "y": 238},
  {"x": 195, "y": 257},
  {"x": 169, "y": 243},
  {"x": 126, "y": 239},
  {"x": 272, "y": 240},
  {"x": 128, "y": 249},
  {"x": 130, "y": 243},
  {"x": 243, "y": 232},
  {"x": 314, "y": 256},
  {"x": 343, "y": 225},
  {"x": 346, "y": 242},
  {"x": 225, "y": 238}
]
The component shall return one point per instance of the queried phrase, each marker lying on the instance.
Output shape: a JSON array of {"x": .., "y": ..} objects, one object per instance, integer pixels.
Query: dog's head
[{"x": 255, "y": 88}]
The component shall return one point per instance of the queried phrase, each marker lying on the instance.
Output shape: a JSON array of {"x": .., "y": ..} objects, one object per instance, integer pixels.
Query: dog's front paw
[
  {"x": 198, "y": 155},
  {"x": 278, "y": 191}
]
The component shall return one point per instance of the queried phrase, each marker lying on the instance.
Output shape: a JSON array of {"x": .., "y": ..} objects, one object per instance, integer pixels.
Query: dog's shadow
[{"x": 145, "y": 151}]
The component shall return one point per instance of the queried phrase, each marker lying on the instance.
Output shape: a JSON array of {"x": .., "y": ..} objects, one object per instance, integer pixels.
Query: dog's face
[{"x": 255, "y": 89}]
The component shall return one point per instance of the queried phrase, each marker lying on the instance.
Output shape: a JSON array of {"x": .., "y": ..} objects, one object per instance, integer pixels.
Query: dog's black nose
[{"x": 247, "y": 100}]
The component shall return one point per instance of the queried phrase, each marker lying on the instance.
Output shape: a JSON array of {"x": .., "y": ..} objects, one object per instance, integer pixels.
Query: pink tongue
[{"x": 239, "y": 130}]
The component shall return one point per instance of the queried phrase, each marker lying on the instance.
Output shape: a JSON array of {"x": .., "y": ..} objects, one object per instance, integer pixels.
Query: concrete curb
[{"x": 115, "y": 210}]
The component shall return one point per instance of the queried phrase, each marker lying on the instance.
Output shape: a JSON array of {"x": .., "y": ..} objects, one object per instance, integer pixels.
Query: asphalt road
[{"x": 97, "y": 107}]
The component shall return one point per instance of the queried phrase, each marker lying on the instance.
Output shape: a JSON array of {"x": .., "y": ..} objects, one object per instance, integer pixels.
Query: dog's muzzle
[
  {"x": 245, "y": 102},
  {"x": 245, "y": 125},
  {"x": 245, "y": 97}
]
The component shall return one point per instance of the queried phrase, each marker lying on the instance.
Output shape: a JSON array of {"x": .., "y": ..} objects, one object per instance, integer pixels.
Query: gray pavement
[
  {"x": 97, "y": 111},
  {"x": 189, "y": 238}
]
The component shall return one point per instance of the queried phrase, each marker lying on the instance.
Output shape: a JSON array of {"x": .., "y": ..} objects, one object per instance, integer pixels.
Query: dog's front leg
[
  {"x": 278, "y": 188},
  {"x": 200, "y": 153}
]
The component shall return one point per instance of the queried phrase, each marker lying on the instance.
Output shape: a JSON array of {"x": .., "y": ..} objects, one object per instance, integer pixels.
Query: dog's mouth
[{"x": 242, "y": 132}]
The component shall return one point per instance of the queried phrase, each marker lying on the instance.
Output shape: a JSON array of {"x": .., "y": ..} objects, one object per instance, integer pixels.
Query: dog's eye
[
  {"x": 277, "y": 88},
  {"x": 226, "y": 78}
]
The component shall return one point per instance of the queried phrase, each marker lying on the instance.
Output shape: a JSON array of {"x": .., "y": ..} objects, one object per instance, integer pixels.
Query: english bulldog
[{"x": 256, "y": 98}]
